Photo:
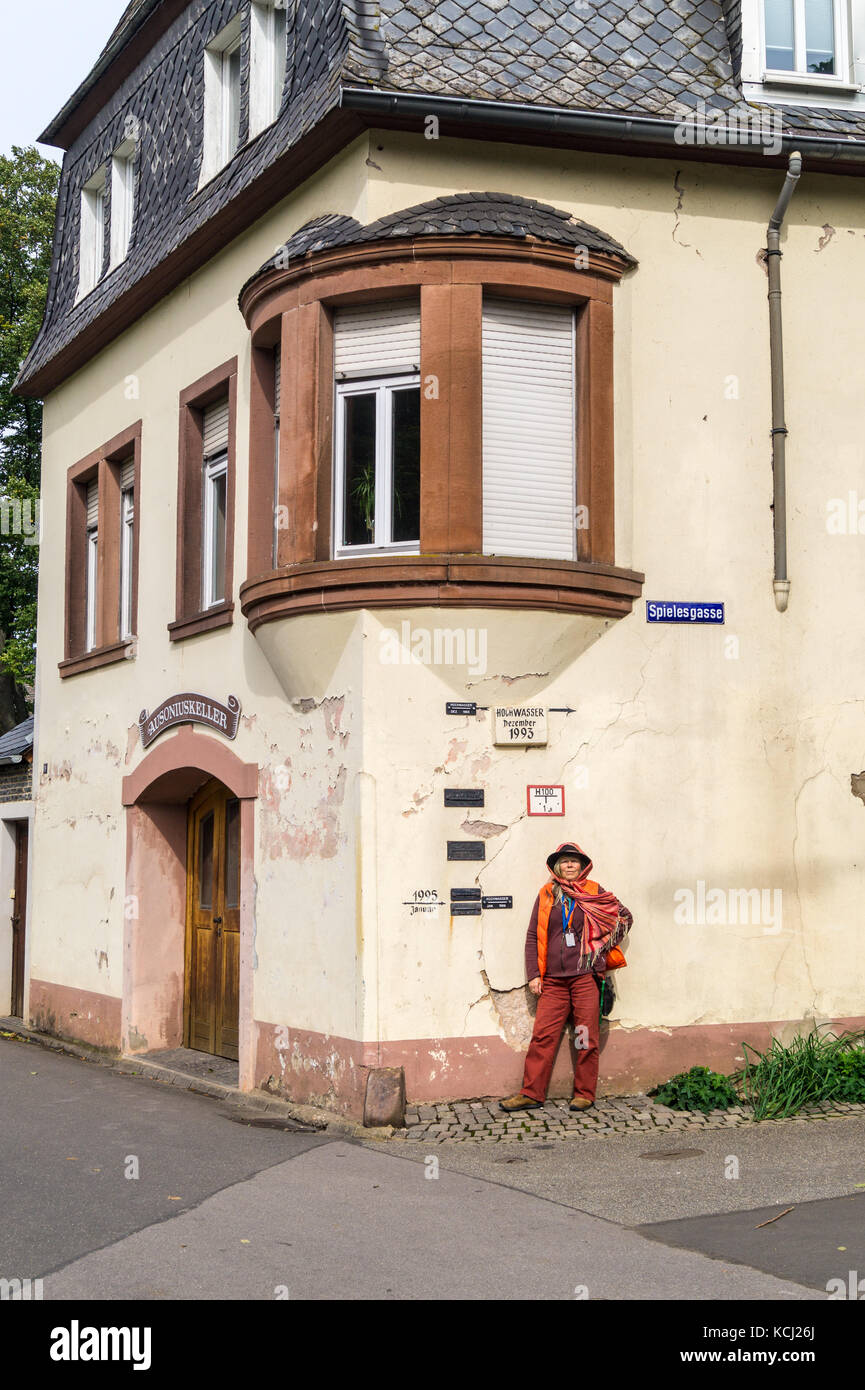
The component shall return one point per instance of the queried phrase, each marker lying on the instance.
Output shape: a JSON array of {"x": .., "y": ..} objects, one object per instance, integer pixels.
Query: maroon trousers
[{"x": 579, "y": 994}]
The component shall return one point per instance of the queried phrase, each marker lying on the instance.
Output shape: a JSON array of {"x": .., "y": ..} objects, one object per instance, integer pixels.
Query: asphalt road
[{"x": 228, "y": 1210}]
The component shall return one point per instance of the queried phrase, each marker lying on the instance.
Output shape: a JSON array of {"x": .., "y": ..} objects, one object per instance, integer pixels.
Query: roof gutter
[{"x": 603, "y": 127}]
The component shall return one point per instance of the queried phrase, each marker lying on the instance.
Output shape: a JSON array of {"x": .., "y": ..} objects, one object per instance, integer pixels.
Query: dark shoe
[
  {"x": 580, "y": 1103},
  {"x": 519, "y": 1102}
]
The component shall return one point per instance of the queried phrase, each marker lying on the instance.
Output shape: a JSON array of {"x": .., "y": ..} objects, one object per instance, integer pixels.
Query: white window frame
[
  {"x": 218, "y": 149},
  {"x": 214, "y": 468},
  {"x": 127, "y": 540},
  {"x": 92, "y": 576},
  {"x": 91, "y": 254},
  {"x": 122, "y": 201},
  {"x": 845, "y": 89},
  {"x": 383, "y": 386},
  {"x": 268, "y": 49}
]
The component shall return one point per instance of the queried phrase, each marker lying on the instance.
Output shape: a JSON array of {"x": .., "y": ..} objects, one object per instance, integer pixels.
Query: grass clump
[
  {"x": 814, "y": 1068},
  {"x": 697, "y": 1089}
]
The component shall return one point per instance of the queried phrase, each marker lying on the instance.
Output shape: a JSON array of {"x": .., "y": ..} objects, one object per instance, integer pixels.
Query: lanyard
[{"x": 566, "y": 919}]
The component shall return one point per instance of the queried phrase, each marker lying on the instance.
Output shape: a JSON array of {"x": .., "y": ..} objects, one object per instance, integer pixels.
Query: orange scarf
[{"x": 603, "y": 924}]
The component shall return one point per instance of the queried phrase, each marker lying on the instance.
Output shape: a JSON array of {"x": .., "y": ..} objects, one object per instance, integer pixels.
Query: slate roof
[
  {"x": 654, "y": 58},
  {"x": 459, "y": 214},
  {"x": 17, "y": 741}
]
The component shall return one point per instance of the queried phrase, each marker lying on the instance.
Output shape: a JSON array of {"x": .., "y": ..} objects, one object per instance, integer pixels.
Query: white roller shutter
[
  {"x": 127, "y": 474},
  {"x": 377, "y": 338},
  {"x": 216, "y": 427},
  {"x": 92, "y": 504},
  {"x": 528, "y": 421}
]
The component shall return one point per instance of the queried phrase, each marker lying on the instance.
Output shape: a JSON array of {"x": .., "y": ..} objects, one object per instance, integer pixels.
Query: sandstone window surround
[
  {"x": 294, "y": 307},
  {"x": 193, "y": 613},
  {"x": 112, "y": 576}
]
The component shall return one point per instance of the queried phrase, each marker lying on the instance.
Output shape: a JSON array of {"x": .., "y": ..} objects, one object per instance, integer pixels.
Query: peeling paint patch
[
  {"x": 823, "y": 241},
  {"x": 484, "y": 829},
  {"x": 516, "y": 1022},
  {"x": 857, "y": 785}
]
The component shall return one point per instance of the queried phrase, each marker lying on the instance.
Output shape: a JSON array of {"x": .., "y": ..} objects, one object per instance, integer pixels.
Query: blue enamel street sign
[{"x": 664, "y": 611}]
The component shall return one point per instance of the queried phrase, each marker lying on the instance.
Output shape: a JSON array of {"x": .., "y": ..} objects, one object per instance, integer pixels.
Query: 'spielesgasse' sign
[
  {"x": 664, "y": 611},
  {"x": 189, "y": 708}
]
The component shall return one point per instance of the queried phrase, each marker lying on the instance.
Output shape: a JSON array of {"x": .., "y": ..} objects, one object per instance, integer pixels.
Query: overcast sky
[{"x": 47, "y": 50}]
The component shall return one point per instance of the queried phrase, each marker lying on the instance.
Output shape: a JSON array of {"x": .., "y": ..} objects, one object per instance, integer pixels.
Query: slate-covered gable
[{"x": 656, "y": 59}]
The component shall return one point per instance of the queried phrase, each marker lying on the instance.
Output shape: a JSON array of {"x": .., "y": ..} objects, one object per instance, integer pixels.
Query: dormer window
[
  {"x": 803, "y": 36},
  {"x": 91, "y": 258},
  {"x": 267, "y": 55},
  {"x": 122, "y": 201},
  {"x": 803, "y": 52},
  {"x": 221, "y": 99}
]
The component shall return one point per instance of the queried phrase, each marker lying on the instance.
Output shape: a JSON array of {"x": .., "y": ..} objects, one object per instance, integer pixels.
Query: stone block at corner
[{"x": 384, "y": 1103}]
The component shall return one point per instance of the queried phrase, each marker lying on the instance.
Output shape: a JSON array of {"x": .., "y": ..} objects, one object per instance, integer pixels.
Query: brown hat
[{"x": 562, "y": 849}]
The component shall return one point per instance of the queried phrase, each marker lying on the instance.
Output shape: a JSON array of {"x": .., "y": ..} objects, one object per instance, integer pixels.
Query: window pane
[
  {"x": 205, "y": 861},
  {"x": 359, "y": 495},
  {"x": 232, "y": 854},
  {"x": 820, "y": 35},
  {"x": 779, "y": 35},
  {"x": 126, "y": 564},
  {"x": 217, "y": 591},
  {"x": 405, "y": 435},
  {"x": 278, "y": 57},
  {"x": 233, "y": 100}
]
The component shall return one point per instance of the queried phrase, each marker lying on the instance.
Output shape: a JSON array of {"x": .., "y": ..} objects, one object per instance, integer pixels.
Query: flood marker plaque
[
  {"x": 545, "y": 801},
  {"x": 519, "y": 726},
  {"x": 466, "y": 849},
  {"x": 464, "y": 796}
]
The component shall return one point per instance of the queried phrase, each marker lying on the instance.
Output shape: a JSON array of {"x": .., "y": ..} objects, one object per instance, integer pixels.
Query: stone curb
[{"x": 310, "y": 1115}]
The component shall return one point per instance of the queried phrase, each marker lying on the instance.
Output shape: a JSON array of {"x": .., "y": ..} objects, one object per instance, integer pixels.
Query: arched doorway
[
  {"x": 175, "y": 996},
  {"x": 212, "y": 973}
]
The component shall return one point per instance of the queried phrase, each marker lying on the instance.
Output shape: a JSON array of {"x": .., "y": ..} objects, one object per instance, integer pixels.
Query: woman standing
[{"x": 573, "y": 926}]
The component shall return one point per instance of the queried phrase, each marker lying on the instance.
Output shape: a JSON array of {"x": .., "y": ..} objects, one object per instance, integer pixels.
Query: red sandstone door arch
[{"x": 212, "y": 971}]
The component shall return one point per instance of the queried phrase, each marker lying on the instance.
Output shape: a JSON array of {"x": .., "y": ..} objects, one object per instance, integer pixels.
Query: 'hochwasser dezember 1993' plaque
[{"x": 518, "y": 725}]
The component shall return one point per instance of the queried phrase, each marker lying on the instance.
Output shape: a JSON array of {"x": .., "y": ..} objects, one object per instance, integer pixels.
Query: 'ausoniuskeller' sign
[{"x": 190, "y": 709}]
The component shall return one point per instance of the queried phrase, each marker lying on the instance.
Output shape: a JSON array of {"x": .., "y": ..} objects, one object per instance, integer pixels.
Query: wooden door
[
  {"x": 19, "y": 916},
  {"x": 213, "y": 922}
]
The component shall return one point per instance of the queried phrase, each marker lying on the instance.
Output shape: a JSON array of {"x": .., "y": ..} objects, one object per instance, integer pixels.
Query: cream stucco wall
[{"x": 720, "y": 755}]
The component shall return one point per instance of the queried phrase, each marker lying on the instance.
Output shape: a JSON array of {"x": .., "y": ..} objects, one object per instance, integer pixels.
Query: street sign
[
  {"x": 520, "y": 725},
  {"x": 545, "y": 801},
  {"x": 664, "y": 611}
]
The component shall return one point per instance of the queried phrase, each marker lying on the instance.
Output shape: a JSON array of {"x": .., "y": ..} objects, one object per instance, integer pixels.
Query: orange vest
[{"x": 545, "y": 906}]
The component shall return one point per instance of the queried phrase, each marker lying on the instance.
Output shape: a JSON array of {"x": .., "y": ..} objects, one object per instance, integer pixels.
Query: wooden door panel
[
  {"x": 213, "y": 950},
  {"x": 19, "y": 916}
]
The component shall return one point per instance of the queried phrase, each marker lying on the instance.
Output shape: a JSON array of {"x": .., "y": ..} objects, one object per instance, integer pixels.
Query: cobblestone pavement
[{"x": 475, "y": 1121}]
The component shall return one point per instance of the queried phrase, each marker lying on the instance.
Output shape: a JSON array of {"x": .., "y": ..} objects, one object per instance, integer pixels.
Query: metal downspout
[{"x": 781, "y": 584}]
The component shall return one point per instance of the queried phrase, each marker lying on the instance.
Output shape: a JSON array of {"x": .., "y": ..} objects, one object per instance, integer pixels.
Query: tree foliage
[{"x": 28, "y": 196}]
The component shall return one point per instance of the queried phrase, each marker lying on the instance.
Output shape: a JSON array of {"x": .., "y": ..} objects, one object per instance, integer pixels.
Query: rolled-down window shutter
[
  {"x": 528, "y": 422},
  {"x": 377, "y": 338},
  {"x": 216, "y": 427},
  {"x": 92, "y": 504},
  {"x": 127, "y": 474}
]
